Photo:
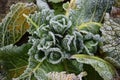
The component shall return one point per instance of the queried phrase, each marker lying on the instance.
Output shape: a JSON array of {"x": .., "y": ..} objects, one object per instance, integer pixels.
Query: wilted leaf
[
  {"x": 105, "y": 70},
  {"x": 14, "y": 25}
]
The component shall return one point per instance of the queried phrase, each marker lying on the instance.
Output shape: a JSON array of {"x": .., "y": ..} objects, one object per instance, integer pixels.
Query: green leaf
[
  {"x": 39, "y": 70},
  {"x": 105, "y": 69},
  {"x": 81, "y": 11},
  {"x": 58, "y": 8},
  {"x": 111, "y": 35},
  {"x": 14, "y": 25},
  {"x": 13, "y": 59},
  {"x": 56, "y": 5},
  {"x": 39, "y": 18},
  {"x": 92, "y": 73},
  {"x": 92, "y": 27},
  {"x": 55, "y": 1}
]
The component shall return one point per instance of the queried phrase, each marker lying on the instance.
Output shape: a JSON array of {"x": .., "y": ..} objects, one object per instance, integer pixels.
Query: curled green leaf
[
  {"x": 55, "y": 55},
  {"x": 60, "y": 24},
  {"x": 40, "y": 18},
  {"x": 73, "y": 43}
]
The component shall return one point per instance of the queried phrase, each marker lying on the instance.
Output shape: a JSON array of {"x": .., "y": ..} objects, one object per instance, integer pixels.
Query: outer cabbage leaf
[
  {"x": 81, "y": 11},
  {"x": 13, "y": 60},
  {"x": 14, "y": 25},
  {"x": 111, "y": 35},
  {"x": 105, "y": 69},
  {"x": 39, "y": 70},
  {"x": 92, "y": 27}
]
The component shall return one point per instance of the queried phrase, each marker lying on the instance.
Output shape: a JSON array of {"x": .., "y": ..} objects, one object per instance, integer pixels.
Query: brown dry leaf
[{"x": 14, "y": 25}]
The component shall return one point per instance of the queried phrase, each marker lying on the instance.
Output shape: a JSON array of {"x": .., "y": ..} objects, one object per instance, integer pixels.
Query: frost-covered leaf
[
  {"x": 39, "y": 18},
  {"x": 13, "y": 60},
  {"x": 91, "y": 42},
  {"x": 111, "y": 35},
  {"x": 40, "y": 71},
  {"x": 55, "y": 34},
  {"x": 42, "y": 4},
  {"x": 73, "y": 43},
  {"x": 105, "y": 69},
  {"x": 60, "y": 24},
  {"x": 81, "y": 11},
  {"x": 54, "y": 40},
  {"x": 14, "y": 25}
]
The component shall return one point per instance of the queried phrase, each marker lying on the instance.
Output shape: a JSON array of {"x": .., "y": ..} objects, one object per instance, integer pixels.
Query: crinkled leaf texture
[
  {"x": 105, "y": 69},
  {"x": 14, "y": 25},
  {"x": 81, "y": 11},
  {"x": 40, "y": 18},
  {"x": 54, "y": 39},
  {"x": 13, "y": 60},
  {"x": 53, "y": 42},
  {"x": 111, "y": 35}
]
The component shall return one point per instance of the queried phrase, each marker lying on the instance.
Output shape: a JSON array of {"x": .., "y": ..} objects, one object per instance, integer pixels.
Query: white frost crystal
[{"x": 64, "y": 76}]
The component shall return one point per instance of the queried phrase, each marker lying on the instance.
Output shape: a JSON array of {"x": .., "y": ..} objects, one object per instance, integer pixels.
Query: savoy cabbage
[{"x": 60, "y": 45}]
